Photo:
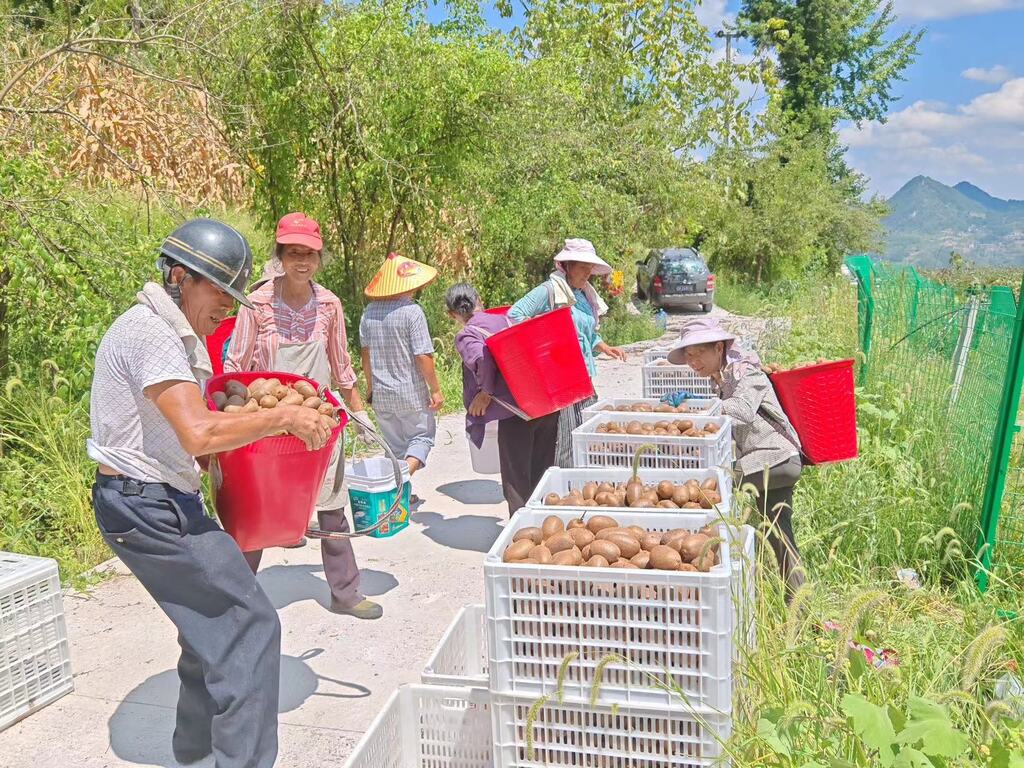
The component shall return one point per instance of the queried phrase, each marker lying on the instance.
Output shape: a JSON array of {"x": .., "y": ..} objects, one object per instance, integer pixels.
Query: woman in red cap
[{"x": 298, "y": 326}]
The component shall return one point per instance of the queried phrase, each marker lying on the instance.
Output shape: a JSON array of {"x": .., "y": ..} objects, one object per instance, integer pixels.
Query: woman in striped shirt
[{"x": 298, "y": 326}]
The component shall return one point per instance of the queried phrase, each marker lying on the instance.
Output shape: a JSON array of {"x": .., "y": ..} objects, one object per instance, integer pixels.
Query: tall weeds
[{"x": 45, "y": 476}]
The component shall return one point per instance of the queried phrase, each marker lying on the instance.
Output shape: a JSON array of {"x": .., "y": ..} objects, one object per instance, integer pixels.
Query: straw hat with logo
[{"x": 399, "y": 275}]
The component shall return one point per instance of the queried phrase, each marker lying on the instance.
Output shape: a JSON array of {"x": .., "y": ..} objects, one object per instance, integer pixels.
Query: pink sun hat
[
  {"x": 699, "y": 330},
  {"x": 580, "y": 249},
  {"x": 299, "y": 229}
]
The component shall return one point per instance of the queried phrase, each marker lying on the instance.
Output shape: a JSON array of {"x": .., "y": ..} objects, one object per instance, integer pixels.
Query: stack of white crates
[
  {"x": 652, "y": 649},
  {"x": 35, "y": 663}
]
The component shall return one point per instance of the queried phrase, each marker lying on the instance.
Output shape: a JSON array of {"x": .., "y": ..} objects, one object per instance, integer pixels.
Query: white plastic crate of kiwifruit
[
  {"x": 427, "y": 726},
  {"x": 626, "y": 627},
  {"x": 35, "y": 663},
  {"x": 701, "y": 406},
  {"x": 662, "y": 378},
  {"x": 559, "y": 481},
  {"x": 592, "y": 446},
  {"x": 529, "y": 733}
]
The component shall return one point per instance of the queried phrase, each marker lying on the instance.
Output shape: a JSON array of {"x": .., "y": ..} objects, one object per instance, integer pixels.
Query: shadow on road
[
  {"x": 473, "y": 491},
  {"x": 141, "y": 726},
  {"x": 287, "y": 584},
  {"x": 474, "y": 533}
]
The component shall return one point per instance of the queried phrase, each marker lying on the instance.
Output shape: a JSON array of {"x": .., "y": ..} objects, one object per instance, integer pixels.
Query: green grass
[
  {"x": 620, "y": 327},
  {"x": 46, "y": 477}
]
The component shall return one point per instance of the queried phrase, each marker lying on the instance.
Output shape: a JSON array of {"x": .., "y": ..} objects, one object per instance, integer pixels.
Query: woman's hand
[
  {"x": 479, "y": 405},
  {"x": 616, "y": 353}
]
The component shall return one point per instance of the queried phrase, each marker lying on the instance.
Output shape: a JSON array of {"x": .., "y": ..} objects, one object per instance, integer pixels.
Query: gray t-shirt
[{"x": 129, "y": 434}]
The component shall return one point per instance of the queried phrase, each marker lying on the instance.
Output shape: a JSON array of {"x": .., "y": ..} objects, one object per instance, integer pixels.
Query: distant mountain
[{"x": 927, "y": 220}]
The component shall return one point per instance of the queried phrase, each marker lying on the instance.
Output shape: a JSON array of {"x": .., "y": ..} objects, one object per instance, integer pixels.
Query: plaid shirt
[
  {"x": 395, "y": 332},
  {"x": 746, "y": 398},
  {"x": 259, "y": 331}
]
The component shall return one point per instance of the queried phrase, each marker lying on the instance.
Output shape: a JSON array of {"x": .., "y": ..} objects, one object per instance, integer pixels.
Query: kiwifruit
[{"x": 532, "y": 533}]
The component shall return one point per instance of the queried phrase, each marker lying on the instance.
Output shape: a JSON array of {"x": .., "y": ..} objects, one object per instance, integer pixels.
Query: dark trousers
[
  {"x": 776, "y": 508},
  {"x": 228, "y": 630},
  {"x": 340, "y": 567},
  {"x": 525, "y": 450}
]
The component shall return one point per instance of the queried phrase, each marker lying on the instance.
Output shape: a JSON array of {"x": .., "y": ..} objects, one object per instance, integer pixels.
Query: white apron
[{"x": 310, "y": 359}]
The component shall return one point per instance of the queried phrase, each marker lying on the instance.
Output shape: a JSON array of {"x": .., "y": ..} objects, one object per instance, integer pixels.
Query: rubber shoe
[{"x": 367, "y": 609}]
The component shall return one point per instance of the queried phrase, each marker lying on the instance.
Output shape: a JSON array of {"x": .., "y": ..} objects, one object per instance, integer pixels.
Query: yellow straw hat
[{"x": 399, "y": 275}]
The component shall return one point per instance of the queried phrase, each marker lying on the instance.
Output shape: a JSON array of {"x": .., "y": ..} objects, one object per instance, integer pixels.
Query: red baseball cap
[{"x": 299, "y": 229}]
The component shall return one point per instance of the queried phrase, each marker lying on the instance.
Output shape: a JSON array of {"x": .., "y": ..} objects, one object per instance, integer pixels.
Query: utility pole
[{"x": 728, "y": 33}]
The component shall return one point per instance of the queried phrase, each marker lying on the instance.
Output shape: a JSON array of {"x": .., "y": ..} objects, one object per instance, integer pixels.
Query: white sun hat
[{"x": 578, "y": 249}]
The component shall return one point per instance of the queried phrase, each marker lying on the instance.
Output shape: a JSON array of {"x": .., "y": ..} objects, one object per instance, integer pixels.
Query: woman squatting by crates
[
  {"x": 767, "y": 446},
  {"x": 149, "y": 423}
]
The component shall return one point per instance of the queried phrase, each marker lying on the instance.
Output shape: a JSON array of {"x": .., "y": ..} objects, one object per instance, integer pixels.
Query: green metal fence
[{"x": 956, "y": 357}]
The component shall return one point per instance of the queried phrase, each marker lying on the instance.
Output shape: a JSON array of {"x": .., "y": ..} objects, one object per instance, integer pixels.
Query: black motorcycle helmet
[{"x": 212, "y": 249}]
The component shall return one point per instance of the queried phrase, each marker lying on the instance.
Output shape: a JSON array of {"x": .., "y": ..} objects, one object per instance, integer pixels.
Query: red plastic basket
[
  {"x": 266, "y": 491},
  {"x": 215, "y": 343},
  {"x": 542, "y": 363},
  {"x": 819, "y": 401}
]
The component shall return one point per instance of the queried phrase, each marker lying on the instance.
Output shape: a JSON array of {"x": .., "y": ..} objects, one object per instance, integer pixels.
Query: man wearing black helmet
[{"x": 149, "y": 423}]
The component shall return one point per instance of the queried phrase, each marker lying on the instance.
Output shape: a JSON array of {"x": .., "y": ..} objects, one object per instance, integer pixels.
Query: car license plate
[{"x": 686, "y": 287}]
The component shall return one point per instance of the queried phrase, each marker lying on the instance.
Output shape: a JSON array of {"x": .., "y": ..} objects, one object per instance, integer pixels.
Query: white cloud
[
  {"x": 711, "y": 13},
  {"x": 994, "y": 75},
  {"x": 949, "y": 9},
  {"x": 1005, "y": 105},
  {"x": 981, "y": 141}
]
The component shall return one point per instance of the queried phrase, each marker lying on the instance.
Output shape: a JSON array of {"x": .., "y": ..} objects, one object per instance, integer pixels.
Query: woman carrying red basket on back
[
  {"x": 526, "y": 447},
  {"x": 767, "y": 446},
  {"x": 298, "y": 326}
]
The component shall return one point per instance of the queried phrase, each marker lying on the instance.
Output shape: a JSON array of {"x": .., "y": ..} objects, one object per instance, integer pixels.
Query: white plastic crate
[
  {"x": 708, "y": 406},
  {"x": 35, "y": 664},
  {"x": 561, "y": 481},
  {"x": 461, "y": 657},
  {"x": 574, "y": 734},
  {"x": 661, "y": 380},
  {"x": 426, "y": 726},
  {"x": 673, "y": 626},
  {"x": 656, "y": 353},
  {"x": 591, "y": 448}
]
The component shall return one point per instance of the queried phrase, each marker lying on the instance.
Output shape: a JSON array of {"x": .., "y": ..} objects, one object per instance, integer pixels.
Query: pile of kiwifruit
[
  {"x": 600, "y": 542},
  {"x": 265, "y": 393},
  {"x": 692, "y": 494},
  {"x": 648, "y": 408},
  {"x": 676, "y": 428}
]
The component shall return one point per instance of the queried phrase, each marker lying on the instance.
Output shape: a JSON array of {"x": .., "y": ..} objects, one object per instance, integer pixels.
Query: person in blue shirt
[{"x": 569, "y": 286}]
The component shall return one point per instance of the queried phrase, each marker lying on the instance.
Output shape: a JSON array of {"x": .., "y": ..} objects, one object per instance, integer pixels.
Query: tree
[
  {"x": 781, "y": 213},
  {"x": 837, "y": 58}
]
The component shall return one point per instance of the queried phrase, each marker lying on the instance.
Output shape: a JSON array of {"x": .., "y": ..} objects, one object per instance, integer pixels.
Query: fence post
[
  {"x": 861, "y": 267},
  {"x": 1002, "y": 446},
  {"x": 963, "y": 350}
]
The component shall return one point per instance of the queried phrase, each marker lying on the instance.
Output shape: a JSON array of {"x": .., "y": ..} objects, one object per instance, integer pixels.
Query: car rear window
[{"x": 681, "y": 259}]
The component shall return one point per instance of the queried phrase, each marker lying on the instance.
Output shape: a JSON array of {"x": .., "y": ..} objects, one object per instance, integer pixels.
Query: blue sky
[
  {"x": 960, "y": 111},
  {"x": 960, "y": 115}
]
